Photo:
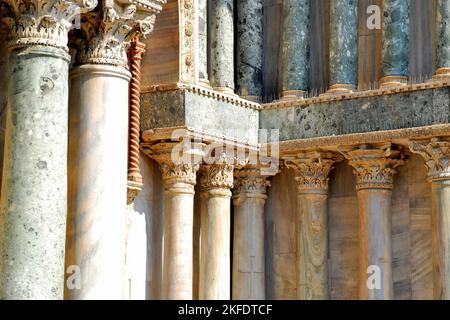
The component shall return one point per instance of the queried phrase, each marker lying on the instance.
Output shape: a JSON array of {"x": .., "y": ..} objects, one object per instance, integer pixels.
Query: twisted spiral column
[{"x": 134, "y": 173}]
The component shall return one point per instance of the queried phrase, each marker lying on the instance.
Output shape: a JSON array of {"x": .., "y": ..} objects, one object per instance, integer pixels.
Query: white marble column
[
  {"x": 375, "y": 170},
  {"x": 215, "y": 183},
  {"x": 312, "y": 170},
  {"x": 437, "y": 158},
  {"x": 248, "y": 244},
  {"x": 179, "y": 182},
  {"x": 98, "y": 142},
  {"x": 34, "y": 187}
]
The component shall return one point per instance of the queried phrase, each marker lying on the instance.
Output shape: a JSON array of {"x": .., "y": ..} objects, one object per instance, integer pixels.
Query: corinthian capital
[
  {"x": 106, "y": 34},
  {"x": 375, "y": 166},
  {"x": 41, "y": 22},
  {"x": 312, "y": 170},
  {"x": 219, "y": 175},
  {"x": 250, "y": 181},
  {"x": 437, "y": 157}
]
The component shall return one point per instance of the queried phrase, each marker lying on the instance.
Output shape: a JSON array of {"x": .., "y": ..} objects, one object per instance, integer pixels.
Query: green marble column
[
  {"x": 343, "y": 46},
  {"x": 222, "y": 45},
  {"x": 249, "y": 49},
  {"x": 395, "y": 43},
  {"x": 295, "y": 48},
  {"x": 443, "y": 39},
  {"x": 203, "y": 41}
]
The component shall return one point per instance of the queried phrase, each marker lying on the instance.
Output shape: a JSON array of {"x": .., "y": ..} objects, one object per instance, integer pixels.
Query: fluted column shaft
[
  {"x": 312, "y": 170},
  {"x": 215, "y": 184},
  {"x": 443, "y": 39},
  {"x": 437, "y": 158},
  {"x": 34, "y": 186},
  {"x": 249, "y": 62},
  {"x": 374, "y": 169},
  {"x": 295, "y": 48},
  {"x": 395, "y": 43},
  {"x": 98, "y": 145},
  {"x": 343, "y": 46},
  {"x": 222, "y": 45},
  {"x": 248, "y": 245}
]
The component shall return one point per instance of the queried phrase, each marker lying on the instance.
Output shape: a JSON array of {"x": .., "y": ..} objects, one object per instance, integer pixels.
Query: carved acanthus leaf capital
[
  {"x": 437, "y": 157},
  {"x": 218, "y": 175},
  {"x": 375, "y": 166},
  {"x": 42, "y": 22},
  {"x": 106, "y": 34},
  {"x": 250, "y": 181},
  {"x": 178, "y": 173},
  {"x": 312, "y": 170}
]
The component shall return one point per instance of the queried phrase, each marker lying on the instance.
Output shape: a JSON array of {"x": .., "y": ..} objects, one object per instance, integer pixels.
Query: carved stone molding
[
  {"x": 218, "y": 175},
  {"x": 437, "y": 157},
  {"x": 375, "y": 166},
  {"x": 312, "y": 170},
  {"x": 250, "y": 181},
  {"x": 41, "y": 22},
  {"x": 106, "y": 34}
]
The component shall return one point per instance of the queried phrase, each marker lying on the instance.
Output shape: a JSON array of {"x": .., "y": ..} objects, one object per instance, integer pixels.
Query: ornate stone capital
[
  {"x": 249, "y": 181},
  {"x": 437, "y": 157},
  {"x": 312, "y": 169},
  {"x": 375, "y": 166},
  {"x": 105, "y": 34},
  {"x": 216, "y": 176},
  {"x": 41, "y": 22}
]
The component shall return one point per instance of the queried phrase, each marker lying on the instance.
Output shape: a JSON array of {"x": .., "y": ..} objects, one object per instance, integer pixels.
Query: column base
[
  {"x": 205, "y": 83},
  {"x": 293, "y": 95},
  {"x": 441, "y": 74},
  {"x": 393, "y": 81},
  {"x": 340, "y": 88},
  {"x": 256, "y": 99},
  {"x": 226, "y": 90}
]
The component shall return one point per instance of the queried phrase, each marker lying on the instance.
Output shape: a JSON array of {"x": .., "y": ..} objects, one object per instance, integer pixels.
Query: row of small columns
[
  {"x": 374, "y": 167},
  {"x": 295, "y": 51}
]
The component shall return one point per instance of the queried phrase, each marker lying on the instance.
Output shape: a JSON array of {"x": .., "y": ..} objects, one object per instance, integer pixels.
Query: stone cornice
[
  {"x": 41, "y": 22},
  {"x": 312, "y": 170},
  {"x": 436, "y": 152},
  {"x": 105, "y": 35},
  {"x": 438, "y": 83},
  {"x": 374, "y": 165}
]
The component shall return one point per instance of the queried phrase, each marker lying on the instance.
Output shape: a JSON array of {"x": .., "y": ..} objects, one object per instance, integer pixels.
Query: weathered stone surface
[
  {"x": 343, "y": 42},
  {"x": 295, "y": 45},
  {"x": 222, "y": 45},
  {"x": 203, "y": 39},
  {"x": 395, "y": 44},
  {"x": 397, "y": 111},
  {"x": 249, "y": 48},
  {"x": 443, "y": 34},
  {"x": 34, "y": 203},
  {"x": 184, "y": 108}
]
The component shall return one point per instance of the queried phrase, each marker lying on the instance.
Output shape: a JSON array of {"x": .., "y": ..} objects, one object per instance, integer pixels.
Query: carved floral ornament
[
  {"x": 41, "y": 22},
  {"x": 312, "y": 170},
  {"x": 375, "y": 166},
  {"x": 250, "y": 180},
  {"x": 106, "y": 34},
  {"x": 437, "y": 157}
]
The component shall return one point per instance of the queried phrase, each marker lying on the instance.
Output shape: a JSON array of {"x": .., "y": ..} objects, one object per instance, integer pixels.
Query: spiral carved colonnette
[{"x": 134, "y": 57}]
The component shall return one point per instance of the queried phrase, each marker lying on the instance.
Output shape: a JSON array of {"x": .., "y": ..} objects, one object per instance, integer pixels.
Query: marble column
[
  {"x": 295, "y": 48},
  {"x": 343, "y": 46},
  {"x": 395, "y": 43},
  {"x": 179, "y": 181},
  {"x": 215, "y": 184},
  {"x": 312, "y": 170},
  {"x": 34, "y": 187},
  {"x": 203, "y": 42},
  {"x": 443, "y": 39},
  {"x": 249, "y": 54},
  {"x": 375, "y": 169},
  {"x": 222, "y": 45},
  {"x": 437, "y": 158},
  {"x": 98, "y": 143},
  {"x": 248, "y": 245}
]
